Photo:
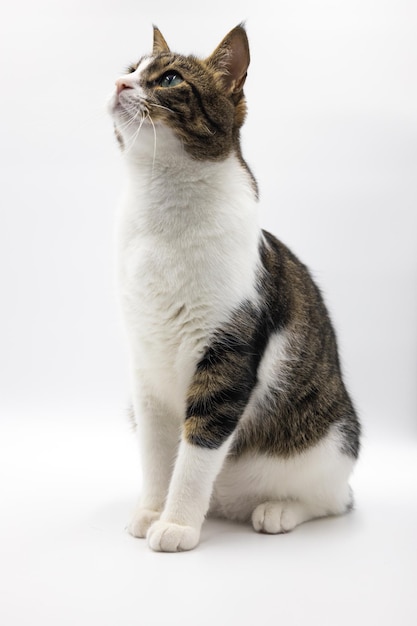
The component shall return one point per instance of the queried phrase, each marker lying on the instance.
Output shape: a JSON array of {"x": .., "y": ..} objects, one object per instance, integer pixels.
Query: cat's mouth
[{"x": 126, "y": 104}]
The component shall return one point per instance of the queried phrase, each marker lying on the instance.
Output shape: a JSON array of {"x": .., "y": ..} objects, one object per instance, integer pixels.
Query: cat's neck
[
  {"x": 158, "y": 160},
  {"x": 165, "y": 180},
  {"x": 170, "y": 193}
]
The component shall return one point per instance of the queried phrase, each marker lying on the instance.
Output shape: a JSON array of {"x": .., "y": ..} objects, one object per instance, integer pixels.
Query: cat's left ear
[
  {"x": 231, "y": 58},
  {"x": 159, "y": 43}
]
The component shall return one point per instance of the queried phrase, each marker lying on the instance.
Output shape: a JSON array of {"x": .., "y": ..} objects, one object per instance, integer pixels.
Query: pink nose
[{"x": 122, "y": 83}]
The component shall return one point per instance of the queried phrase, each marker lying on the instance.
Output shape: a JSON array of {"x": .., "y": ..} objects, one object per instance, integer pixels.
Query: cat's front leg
[
  {"x": 158, "y": 435},
  {"x": 188, "y": 499},
  {"x": 217, "y": 397}
]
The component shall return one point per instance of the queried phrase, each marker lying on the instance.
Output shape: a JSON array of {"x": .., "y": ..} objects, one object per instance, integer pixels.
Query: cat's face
[{"x": 201, "y": 102}]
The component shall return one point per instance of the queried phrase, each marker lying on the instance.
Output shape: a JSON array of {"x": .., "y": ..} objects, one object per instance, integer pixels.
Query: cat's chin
[
  {"x": 117, "y": 112},
  {"x": 122, "y": 113},
  {"x": 141, "y": 138},
  {"x": 122, "y": 108}
]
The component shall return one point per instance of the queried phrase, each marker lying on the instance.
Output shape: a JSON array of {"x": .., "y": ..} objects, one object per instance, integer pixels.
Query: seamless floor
[{"x": 66, "y": 558}]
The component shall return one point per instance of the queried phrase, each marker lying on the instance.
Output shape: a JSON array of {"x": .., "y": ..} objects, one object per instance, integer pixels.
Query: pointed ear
[
  {"x": 159, "y": 43},
  {"x": 231, "y": 58}
]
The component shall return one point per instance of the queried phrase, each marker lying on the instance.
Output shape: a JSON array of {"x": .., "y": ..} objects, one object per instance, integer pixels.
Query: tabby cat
[{"x": 237, "y": 390}]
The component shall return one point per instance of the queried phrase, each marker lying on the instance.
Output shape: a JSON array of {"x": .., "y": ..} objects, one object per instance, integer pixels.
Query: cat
[{"x": 237, "y": 390}]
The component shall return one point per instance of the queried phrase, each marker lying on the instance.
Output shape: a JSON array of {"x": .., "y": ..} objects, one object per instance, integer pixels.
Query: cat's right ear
[
  {"x": 231, "y": 60},
  {"x": 159, "y": 43}
]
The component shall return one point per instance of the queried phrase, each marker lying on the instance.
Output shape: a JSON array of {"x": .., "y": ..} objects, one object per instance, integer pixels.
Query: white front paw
[
  {"x": 168, "y": 537},
  {"x": 141, "y": 520}
]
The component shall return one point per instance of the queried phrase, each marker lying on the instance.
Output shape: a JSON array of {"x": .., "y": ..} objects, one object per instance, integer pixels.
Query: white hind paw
[
  {"x": 277, "y": 517},
  {"x": 141, "y": 521},
  {"x": 169, "y": 537}
]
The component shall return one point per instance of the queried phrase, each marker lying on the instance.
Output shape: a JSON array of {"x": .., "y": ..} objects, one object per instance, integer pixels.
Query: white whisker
[
  {"x": 131, "y": 119},
  {"x": 145, "y": 114},
  {"x": 152, "y": 104},
  {"x": 154, "y": 141}
]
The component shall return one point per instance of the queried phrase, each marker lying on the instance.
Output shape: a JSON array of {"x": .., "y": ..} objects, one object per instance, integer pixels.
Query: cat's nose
[{"x": 122, "y": 83}]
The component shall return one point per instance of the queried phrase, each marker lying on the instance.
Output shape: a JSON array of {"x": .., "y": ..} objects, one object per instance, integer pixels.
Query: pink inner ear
[
  {"x": 159, "y": 43},
  {"x": 232, "y": 58},
  {"x": 239, "y": 60}
]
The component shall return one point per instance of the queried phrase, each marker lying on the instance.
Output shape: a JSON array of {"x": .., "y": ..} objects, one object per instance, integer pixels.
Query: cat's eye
[{"x": 170, "y": 79}]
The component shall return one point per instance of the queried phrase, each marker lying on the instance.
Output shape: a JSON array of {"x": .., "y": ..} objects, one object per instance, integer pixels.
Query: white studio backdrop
[{"x": 331, "y": 136}]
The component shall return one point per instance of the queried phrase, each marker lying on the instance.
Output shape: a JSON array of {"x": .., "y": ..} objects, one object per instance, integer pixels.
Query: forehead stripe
[{"x": 142, "y": 66}]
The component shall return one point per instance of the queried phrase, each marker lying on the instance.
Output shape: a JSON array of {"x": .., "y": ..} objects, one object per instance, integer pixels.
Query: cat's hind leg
[
  {"x": 312, "y": 485},
  {"x": 278, "y": 517},
  {"x": 277, "y": 494},
  {"x": 282, "y": 516}
]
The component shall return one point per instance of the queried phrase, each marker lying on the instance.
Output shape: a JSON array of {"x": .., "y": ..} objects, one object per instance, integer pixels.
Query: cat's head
[{"x": 200, "y": 102}]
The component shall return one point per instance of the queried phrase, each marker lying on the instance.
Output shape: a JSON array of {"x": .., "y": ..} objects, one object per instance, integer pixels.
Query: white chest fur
[{"x": 188, "y": 255}]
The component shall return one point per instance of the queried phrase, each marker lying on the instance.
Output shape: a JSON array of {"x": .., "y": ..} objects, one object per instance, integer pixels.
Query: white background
[{"x": 331, "y": 136}]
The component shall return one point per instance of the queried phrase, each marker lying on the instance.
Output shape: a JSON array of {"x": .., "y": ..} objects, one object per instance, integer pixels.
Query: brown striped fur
[{"x": 310, "y": 396}]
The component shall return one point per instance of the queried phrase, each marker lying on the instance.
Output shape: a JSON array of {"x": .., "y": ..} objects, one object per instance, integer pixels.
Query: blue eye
[{"x": 170, "y": 79}]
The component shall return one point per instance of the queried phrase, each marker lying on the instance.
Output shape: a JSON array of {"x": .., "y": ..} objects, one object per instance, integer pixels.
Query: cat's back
[
  {"x": 290, "y": 293},
  {"x": 300, "y": 395}
]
